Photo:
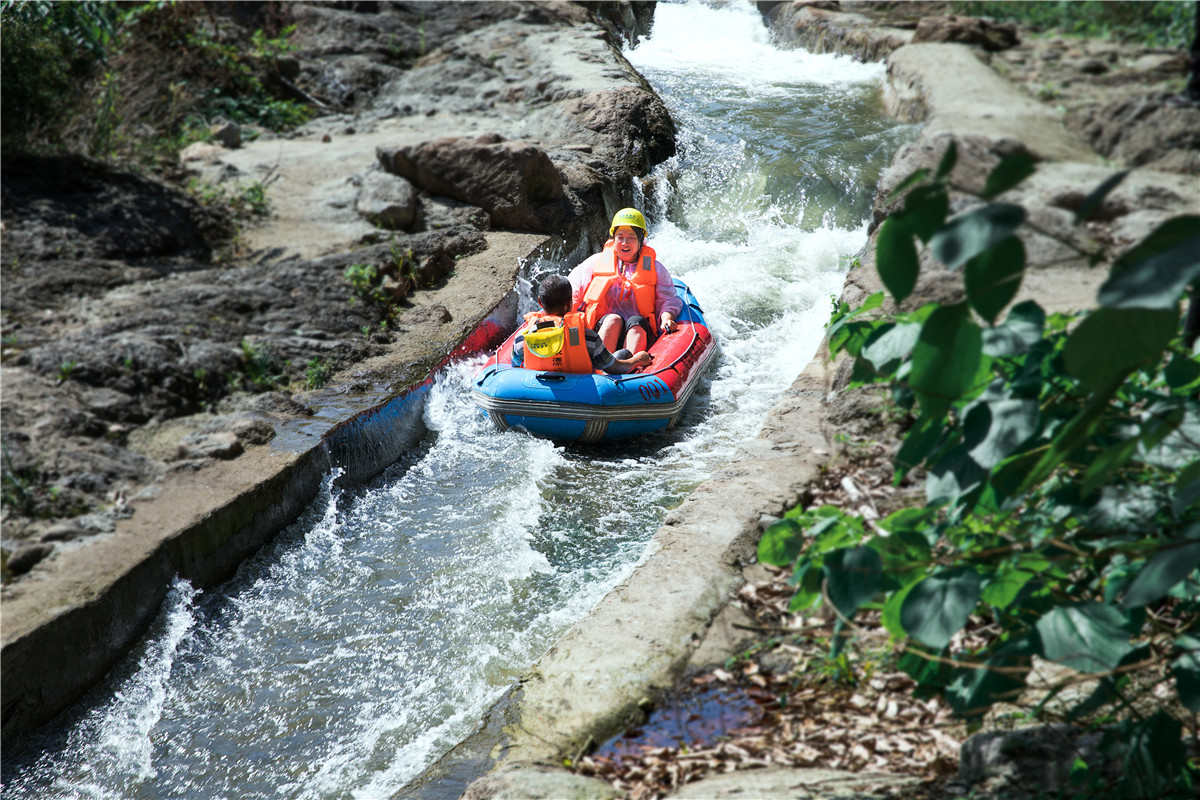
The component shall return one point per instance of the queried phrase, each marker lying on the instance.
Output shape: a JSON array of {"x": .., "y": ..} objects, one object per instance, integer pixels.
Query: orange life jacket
[
  {"x": 570, "y": 354},
  {"x": 643, "y": 283}
]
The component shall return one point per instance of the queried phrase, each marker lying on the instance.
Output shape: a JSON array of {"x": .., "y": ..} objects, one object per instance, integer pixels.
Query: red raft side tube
[{"x": 594, "y": 407}]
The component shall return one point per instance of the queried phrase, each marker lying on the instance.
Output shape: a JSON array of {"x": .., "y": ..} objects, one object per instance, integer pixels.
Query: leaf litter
[{"x": 786, "y": 701}]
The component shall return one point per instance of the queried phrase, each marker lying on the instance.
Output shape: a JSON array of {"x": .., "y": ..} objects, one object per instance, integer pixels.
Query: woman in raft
[{"x": 624, "y": 291}]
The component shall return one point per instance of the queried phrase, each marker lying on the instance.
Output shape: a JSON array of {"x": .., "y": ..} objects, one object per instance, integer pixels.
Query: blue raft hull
[{"x": 599, "y": 407}]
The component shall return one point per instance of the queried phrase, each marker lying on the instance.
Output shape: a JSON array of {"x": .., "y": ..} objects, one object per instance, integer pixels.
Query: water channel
[{"x": 371, "y": 636}]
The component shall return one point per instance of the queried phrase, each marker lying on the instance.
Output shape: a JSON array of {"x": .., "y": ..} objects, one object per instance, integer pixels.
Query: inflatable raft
[{"x": 596, "y": 406}]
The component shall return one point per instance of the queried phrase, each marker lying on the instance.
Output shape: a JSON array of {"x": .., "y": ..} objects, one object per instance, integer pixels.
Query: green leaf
[
  {"x": 1111, "y": 341},
  {"x": 1187, "y": 488},
  {"x": 854, "y": 578},
  {"x": 903, "y": 553},
  {"x": 1154, "y": 273},
  {"x": 1153, "y": 755},
  {"x": 953, "y": 476},
  {"x": 910, "y": 181},
  {"x": 993, "y": 277},
  {"x": 1008, "y": 173},
  {"x": 1174, "y": 561},
  {"x": 919, "y": 442},
  {"x": 836, "y": 531},
  {"x": 947, "y": 162},
  {"x": 896, "y": 257},
  {"x": 925, "y": 210},
  {"x": 1004, "y": 590},
  {"x": 909, "y": 520},
  {"x": 1020, "y": 331},
  {"x": 853, "y": 336},
  {"x": 1108, "y": 462},
  {"x": 807, "y": 580},
  {"x": 948, "y": 359},
  {"x": 1089, "y": 637},
  {"x": 938, "y": 606},
  {"x": 1186, "y": 670},
  {"x": 970, "y": 233},
  {"x": 974, "y": 690},
  {"x": 890, "y": 616},
  {"x": 1093, "y": 200},
  {"x": 1183, "y": 374},
  {"x": 1010, "y": 424},
  {"x": 888, "y": 346},
  {"x": 781, "y": 543}
]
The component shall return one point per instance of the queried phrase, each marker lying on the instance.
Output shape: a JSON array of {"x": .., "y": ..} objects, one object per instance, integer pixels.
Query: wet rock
[{"x": 28, "y": 556}]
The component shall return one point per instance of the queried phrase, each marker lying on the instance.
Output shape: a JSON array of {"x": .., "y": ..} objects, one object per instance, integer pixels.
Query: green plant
[
  {"x": 1048, "y": 91},
  {"x": 65, "y": 369},
  {"x": 405, "y": 264},
  {"x": 259, "y": 366},
  {"x": 249, "y": 201},
  {"x": 1061, "y": 460},
  {"x": 47, "y": 51},
  {"x": 17, "y": 493},
  {"x": 364, "y": 280},
  {"x": 316, "y": 373},
  {"x": 253, "y": 199},
  {"x": 1154, "y": 24}
]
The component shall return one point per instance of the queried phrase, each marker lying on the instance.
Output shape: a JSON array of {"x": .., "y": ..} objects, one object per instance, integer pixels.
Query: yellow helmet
[{"x": 628, "y": 216}]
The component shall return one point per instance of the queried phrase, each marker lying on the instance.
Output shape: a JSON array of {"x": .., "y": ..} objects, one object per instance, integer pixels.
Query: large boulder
[
  {"x": 515, "y": 182},
  {"x": 631, "y": 121}
]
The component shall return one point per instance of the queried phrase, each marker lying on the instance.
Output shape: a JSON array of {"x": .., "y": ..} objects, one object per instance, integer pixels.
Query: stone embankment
[
  {"x": 673, "y": 613},
  {"x": 458, "y": 141}
]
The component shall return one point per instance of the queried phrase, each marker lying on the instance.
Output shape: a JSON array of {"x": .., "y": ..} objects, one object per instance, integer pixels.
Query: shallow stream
[{"x": 371, "y": 636}]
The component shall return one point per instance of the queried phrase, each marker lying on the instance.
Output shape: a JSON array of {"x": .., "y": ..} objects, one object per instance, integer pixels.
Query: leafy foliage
[
  {"x": 1062, "y": 471},
  {"x": 1155, "y": 24},
  {"x": 140, "y": 80},
  {"x": 47, "y": 50},
  {"x": 262, "y": 373}
]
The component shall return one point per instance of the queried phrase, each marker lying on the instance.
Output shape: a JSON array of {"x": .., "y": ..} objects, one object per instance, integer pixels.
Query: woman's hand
[{"x": 667, "y": 323}]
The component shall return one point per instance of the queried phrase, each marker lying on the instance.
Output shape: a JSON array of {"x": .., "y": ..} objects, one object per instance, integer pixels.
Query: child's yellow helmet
[{"x": 628, "y": 216}]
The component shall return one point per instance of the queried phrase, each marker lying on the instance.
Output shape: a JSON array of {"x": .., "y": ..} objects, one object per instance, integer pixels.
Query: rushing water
[{"x": 371, "y": 636}]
